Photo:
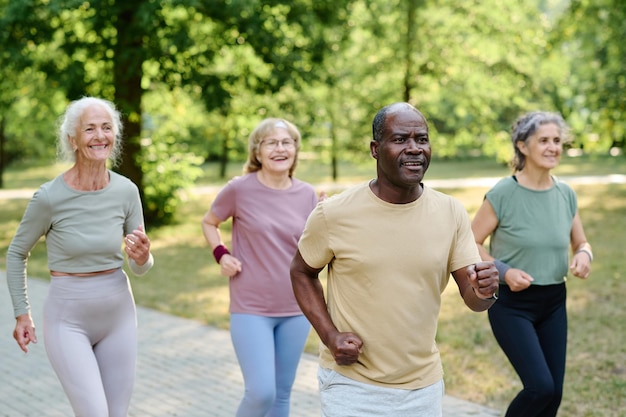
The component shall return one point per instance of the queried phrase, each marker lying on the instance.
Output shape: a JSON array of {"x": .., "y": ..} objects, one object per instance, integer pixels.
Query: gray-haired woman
[
  {"x": 85, "y": 214},
  {"x": 532, "y": 219}
]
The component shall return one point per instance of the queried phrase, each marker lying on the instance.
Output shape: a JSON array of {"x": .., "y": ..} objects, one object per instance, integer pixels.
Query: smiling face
[
  {"x": 95, "y": 135},
  {"x": 543, "y": 149},
  {"x": 403, "y": 153},
  {"x": 277, "y": 151}
]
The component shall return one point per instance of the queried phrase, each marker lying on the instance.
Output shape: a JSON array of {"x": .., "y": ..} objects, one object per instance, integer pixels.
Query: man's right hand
[{"x": 345, "y": 348}]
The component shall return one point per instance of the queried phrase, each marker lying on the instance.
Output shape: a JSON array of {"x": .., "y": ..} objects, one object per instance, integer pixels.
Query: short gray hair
[
  {"x": 380, "y": 119},
  {"x": 526, "y": 126}
]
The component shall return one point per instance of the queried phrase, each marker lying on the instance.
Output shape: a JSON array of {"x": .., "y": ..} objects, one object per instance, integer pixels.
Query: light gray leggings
[{"x": 90, "y": 334}]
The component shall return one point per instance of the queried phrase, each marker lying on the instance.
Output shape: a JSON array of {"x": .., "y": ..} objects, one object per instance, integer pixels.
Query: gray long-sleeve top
[{"x": 83, "y": 229}]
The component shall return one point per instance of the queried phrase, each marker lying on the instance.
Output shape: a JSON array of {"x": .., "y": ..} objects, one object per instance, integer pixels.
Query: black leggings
[{"x": 531, "y": 328}]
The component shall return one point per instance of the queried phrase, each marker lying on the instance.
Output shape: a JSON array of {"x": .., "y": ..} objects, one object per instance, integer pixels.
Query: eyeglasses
[{"x": 273, "y": 143}]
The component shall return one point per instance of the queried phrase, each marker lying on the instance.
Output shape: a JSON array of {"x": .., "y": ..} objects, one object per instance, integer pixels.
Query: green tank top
[{"x": 533, "y": 232}]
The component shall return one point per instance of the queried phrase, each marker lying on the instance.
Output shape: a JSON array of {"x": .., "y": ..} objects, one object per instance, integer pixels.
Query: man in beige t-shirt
[{"x": 390, "y": 246}]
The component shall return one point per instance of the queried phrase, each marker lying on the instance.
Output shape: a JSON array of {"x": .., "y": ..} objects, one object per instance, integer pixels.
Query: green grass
[
  {"x": 186, "y": 283},
  {"x": 29, "y": 175}
]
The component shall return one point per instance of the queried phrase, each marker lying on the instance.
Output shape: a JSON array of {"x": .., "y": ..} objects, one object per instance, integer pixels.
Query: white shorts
[{"x": 345, "y": 397}]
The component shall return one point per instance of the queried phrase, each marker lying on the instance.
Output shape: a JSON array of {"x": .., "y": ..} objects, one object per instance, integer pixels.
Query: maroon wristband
[{"x": 219, "y": 251}]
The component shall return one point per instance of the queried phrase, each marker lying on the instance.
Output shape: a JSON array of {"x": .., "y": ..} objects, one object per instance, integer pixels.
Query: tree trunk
[
  {"x": 408, "y": 49},
  {"x": 224, "y": 155},
  {"x": 3, "y": 158},
  {"x": 127, "y": 72},
  {"x": 334, "y": 150},
  {"x": 224, "y": 158}
]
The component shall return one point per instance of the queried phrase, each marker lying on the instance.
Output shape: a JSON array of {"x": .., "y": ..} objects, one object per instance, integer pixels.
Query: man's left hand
[{"x": 484, "y": 279}]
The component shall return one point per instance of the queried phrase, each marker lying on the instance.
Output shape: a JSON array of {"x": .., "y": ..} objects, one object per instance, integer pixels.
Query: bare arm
[
  {"x": 477, "y": 285},
  {"x": 583, "y": 255},
  {"x": 344, "y": 346},
  {"x": 484, "y": 223},
  {"x": 210, "y": 227}
]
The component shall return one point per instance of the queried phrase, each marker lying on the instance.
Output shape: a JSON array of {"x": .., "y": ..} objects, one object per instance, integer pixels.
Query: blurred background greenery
[{"x": 193, "y": 77}]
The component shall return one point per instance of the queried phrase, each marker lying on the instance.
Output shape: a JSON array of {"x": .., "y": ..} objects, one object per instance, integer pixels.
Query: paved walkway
[{"x": 185, "y": 369}]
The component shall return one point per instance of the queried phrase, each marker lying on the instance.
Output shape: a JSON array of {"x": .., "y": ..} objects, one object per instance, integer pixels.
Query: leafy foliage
[
  {"x": 169, "y": 170},
  {"x": 592, "y": 32},
  {"x": 102, "y": 48},
  {"x": 202, "y": 74}
]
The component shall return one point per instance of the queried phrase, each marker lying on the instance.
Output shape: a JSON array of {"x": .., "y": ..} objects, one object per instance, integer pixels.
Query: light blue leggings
[{"x": 268, "y": 350}]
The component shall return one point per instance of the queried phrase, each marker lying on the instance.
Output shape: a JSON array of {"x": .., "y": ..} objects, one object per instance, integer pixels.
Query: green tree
[
  {"x": 472, "y": 67},
  {"x": 120, "y": 49},
  {"x": 593, "y": 32},
  {"x": 29, "y": 103},
  {"x": 26, "y": 116}
]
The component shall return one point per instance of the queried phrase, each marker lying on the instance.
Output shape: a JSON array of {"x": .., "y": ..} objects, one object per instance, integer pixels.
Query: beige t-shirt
[{"x": 388, "y": 265}]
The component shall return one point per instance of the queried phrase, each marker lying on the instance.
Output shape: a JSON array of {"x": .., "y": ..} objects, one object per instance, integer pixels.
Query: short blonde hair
[{"x": 264, "y": 129}]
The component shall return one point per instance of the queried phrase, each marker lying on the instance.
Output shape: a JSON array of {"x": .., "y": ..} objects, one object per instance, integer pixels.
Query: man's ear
[{"x": 374, "y": 149}]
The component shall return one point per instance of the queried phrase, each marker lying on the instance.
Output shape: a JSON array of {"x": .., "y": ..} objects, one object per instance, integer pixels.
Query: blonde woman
[{"x": 269, "y": 208}]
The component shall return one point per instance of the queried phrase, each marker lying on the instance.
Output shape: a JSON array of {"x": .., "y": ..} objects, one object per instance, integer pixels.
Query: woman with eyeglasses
[{"x": 269, "y": 208}]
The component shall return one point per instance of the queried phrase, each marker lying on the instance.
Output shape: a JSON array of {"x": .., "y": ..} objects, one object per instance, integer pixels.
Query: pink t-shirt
[{"x": 267, "y": 225}]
